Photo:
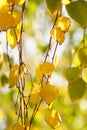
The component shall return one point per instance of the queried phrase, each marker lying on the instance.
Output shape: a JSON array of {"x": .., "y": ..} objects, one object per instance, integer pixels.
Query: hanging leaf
[
  {"x": 35, "y": 97},
  {"x": 72, "y": 73},
  {"x": 47, "y": 68},
  {"x": 6, "y": 21},
  {"x": 58, "y": 35},
  {"x": 77, "y": 89},
  {"x": 76, "y": 61},
  {"x": 14, "y": 76},
  {"x": 83, "y": 56},
  {"x": 17, "y": 17},
  {"x": 53, "y": 5},
  {"x": 77, "y": 10},
  {"x": 18, "y": 30},
  {"x": 63, "y": 23},
  {"x": 53, "y": 118},
  {"x": 17, "y": 126},
  {"x": 11, "y": 37},
  {"x": 55, "y": 63},
  {"x": 39, "y": 74},
  {"x": 48, "y": 93}
]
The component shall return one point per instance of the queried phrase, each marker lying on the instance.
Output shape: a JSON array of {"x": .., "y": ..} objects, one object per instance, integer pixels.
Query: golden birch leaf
[
  {"x": 17, "y": 126},
  {"x": 53, "y": 118},
  {"x": 14, "y": 76},
  {"x": 63, "y": 23},
  {"x": 34, "y": 97},
  {"x": 17, "y": 17},
  {"x": 39, "y": 74},
  {"x": 55, "y": 62},
  {"x": 18, "y": 30},
  {"x": 58, "y": 35},
  {"x": 11, "y": 37},
  {"x": 11, "y": 2},
  {"x": 19, "y": 2},
  {"x": 4, "y": 6},
  {"x": 48, "y": 93},
  {"x": 47, "y": 68},
  {"x": 6, "y": 21}
]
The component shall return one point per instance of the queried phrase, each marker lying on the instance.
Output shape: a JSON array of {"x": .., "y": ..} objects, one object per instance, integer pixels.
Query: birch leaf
[
  {"x": 11, "y": 37},
  {"x": 53, "y": 118},
  {"x": 48, "y": 93},
  {"x": 47, "y": 68},
  {"x": 14, "y": 76},
  {"x": 6, "y": 21}
]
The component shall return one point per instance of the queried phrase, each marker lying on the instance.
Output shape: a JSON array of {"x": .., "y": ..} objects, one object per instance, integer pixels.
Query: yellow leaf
[
  {"x": 84, "y": 74},
  {"x": 6, "y": 21},
  {"x": 17, "y": 17},
  {"x": 11, "y": 37},
  {"x": 46, "y": 68},
  {"x": 19, "y": 2},
  {"x": 39, "y": 74},
  {"x": 76, "y": 61},
  {"x": 63, "y": 23},
  {"x": 18, "y": 30},
  {"x": 14, "y": 75},
  {"x": 53, "y": 118},
  {"x": 48, "y": 93},
  {"x": 55, "y": 62},
  {"x": 4, "y": 6},
  {"x": 17, "y": 126},
  {"x": 34, "y": 97},
  {"x": 65, "y": 2},
  {"x": 58, "y": 35}
]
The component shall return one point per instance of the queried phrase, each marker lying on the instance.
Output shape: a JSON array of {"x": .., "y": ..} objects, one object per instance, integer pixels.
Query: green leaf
[
  {"x": 72, "y": 73},
  {"x": 53, "y": 5},
  {"x": 78, "y": 11},
  {"x": 76, "y": 89}
]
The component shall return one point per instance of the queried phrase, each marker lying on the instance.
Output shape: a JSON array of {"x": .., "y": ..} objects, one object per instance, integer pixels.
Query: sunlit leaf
[
  {"x": 55, "y": 63},
  {"x": 35, "y": 97},
  {"x": 17, "y": 126},
  {"x": 49, "y": 93},
  {"x": 6, "y": 21},
  {"x": 14, "y": 75},
  {"x": 77, "y": 89},
  {"x": 39, "y": 74},
  {"x": 17, "y": 17},
  {"x": 11, "y": 37},
  {"x": 53, "y": 5},
  {"x": 46, "y": 68},
  {"x": 53, "y": 118},
  {"x": 84, "y": 74},
  {"x": 78, "y": 11},
  {"x": 58, "y": 35},
  {"x": 83, "y": 56},
  {"x": 76, "y": 61},
  {"x": 18, "y": 30},
  {"x": 72, "y": 73},
  {"x": 4, "y": 6},
  {"x": 65, "y": 2},
  {"x": 63, "y": 23}
]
